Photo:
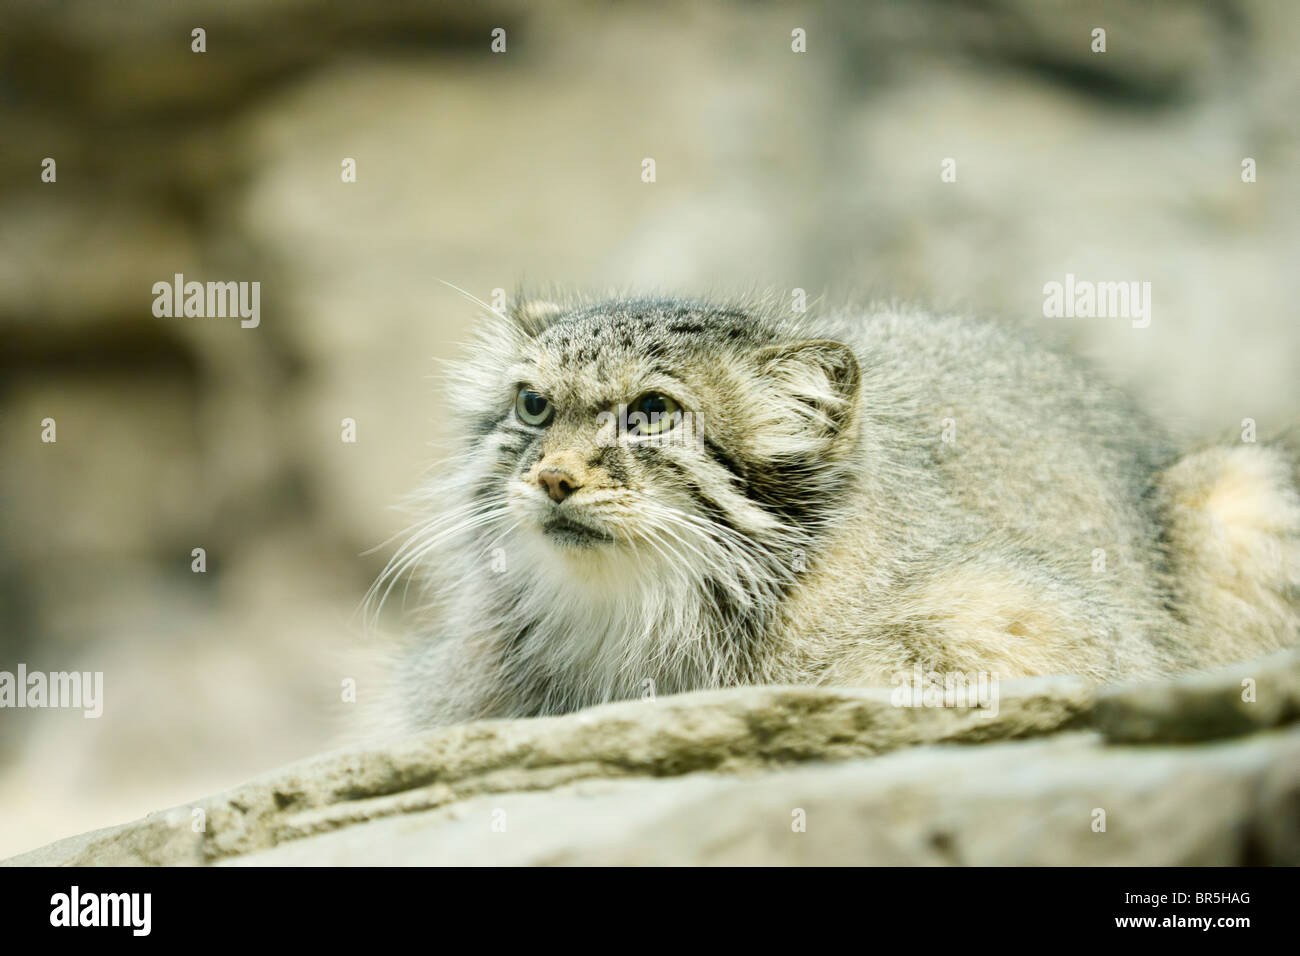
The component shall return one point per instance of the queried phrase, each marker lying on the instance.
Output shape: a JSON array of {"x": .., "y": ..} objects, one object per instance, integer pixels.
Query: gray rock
[
  {"x": 722, "y": 732},
  {"x": 782, "y": 775},
  {"x": 1013, "y": 804},
  {"x": 1224, "y": 703}
]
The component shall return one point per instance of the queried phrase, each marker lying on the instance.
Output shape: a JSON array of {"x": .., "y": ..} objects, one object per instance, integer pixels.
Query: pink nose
[{"x": 559, "y": 484}]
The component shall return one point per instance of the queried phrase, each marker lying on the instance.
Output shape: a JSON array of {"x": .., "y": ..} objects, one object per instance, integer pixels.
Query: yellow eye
[
  {"x": 532, "y": 408},
  {"x": 652, "y": 413}
]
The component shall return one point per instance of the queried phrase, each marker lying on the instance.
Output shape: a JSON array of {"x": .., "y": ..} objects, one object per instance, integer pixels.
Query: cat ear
[{"x": 819, "y": 380}]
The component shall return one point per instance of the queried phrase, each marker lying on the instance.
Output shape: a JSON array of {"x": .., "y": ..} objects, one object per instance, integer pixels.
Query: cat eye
[
  {"x": 652, "y": 413},
  {"x": 532, "y": 409}
]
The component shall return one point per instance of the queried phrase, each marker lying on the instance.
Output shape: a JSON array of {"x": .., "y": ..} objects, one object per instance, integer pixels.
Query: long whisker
[
  {"x": 423, "y": 540},
  {"x": 469, "y": 295}
]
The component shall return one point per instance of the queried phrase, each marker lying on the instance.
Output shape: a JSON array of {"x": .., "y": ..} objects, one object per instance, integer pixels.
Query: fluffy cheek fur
[
  {"x": 600, "y": 621},
  {"x": 646, "y": 610},
  {"x": 593, "y": 618}
]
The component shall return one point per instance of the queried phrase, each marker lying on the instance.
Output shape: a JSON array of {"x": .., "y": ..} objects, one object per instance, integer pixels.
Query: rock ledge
[{"x": 1202, "y": 770}]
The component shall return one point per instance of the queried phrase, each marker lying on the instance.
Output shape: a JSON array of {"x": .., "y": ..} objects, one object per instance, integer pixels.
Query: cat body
[{"x": 655, "y": 496}]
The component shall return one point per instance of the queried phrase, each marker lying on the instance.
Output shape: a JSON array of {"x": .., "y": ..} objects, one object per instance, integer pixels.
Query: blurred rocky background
[{"x": 817, "y": 170}]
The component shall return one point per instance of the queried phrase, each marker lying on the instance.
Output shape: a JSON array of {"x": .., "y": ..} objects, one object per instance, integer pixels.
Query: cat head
[
  {"x": 636, "y": 483},
  {"x": 654, "y": 426}
]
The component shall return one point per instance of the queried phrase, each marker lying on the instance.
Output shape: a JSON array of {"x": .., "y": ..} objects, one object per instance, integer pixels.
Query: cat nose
[{"x": 559, "y": 484}]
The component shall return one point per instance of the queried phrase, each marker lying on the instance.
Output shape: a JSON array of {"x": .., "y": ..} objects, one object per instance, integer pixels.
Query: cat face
[{"x": 631, "y": 433}]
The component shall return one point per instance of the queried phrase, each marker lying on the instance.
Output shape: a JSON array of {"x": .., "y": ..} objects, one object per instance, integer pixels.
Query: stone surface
[
  {"x": 1056, "y": 773},
  {"x": 1021, "y": 804},
  {"x": 1237, "y": 700}
]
